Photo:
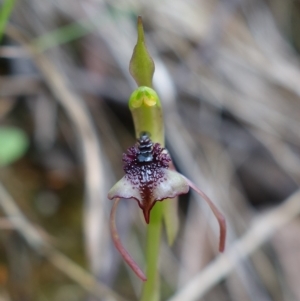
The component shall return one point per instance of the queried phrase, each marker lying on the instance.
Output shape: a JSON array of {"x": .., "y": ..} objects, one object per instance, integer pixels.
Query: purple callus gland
[{"x": 147, "y": 176}]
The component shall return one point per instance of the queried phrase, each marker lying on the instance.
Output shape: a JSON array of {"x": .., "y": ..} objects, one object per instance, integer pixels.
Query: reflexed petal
[
  {"x": 173, "y": 185},
  {"x": 119, "y": 246},
  {"x": 219, "y": 216},
  {"x": 125, "y": 190}
]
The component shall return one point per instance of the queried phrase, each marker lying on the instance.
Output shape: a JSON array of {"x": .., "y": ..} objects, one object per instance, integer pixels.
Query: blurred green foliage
[
  {"x": 13, "y": 144},
  {"x": 5, "y": 12}
]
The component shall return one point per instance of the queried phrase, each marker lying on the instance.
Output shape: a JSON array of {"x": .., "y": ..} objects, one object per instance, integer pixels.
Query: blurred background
[{"x": 228, "y": 76}]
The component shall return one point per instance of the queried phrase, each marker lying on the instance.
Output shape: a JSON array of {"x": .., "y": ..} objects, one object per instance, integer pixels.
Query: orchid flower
[{"x": 150, "y": 177}]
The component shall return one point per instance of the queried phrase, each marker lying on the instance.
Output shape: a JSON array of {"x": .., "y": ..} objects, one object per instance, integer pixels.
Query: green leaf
[
  {"x": 5, "y": 12},
  {"x": 65, "y": 34},
  {"x": 13, "y": 144},
  {"x": 141, "y": 65}
]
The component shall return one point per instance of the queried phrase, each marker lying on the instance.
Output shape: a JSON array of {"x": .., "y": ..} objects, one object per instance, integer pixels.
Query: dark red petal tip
[
  {"x": 219, "y": 216},
  {"x": 119, "y": 246},
  {"x": 147, "y": 215}
]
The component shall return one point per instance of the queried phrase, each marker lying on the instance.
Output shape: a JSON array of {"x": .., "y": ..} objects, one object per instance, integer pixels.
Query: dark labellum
[{"x": 144, "y": 166}]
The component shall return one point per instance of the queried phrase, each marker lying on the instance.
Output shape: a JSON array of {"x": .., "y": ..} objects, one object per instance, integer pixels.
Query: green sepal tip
[{"x": 141, "y": 65}]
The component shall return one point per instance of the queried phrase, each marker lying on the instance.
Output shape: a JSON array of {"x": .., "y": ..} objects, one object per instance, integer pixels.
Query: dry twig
[
  {"x": 38, "y": 244},
  {"x": 261, "y": 230}
]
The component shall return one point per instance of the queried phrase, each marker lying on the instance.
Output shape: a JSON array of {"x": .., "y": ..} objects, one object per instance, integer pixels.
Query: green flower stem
[
  {"x": 151, "y": 288},
  {"x": 147, "y": 116}
]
